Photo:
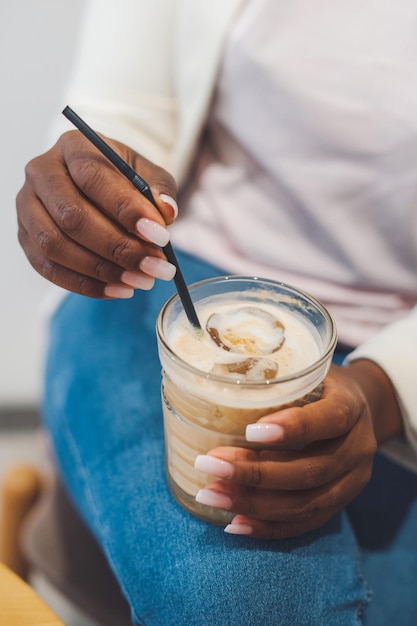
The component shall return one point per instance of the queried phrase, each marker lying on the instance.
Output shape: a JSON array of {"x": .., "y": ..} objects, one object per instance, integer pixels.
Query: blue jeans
[{"x": 102, "y": 408}]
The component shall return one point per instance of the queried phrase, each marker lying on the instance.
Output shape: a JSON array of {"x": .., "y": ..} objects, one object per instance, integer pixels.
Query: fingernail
[
  {"x": 152, "y": 231},
  {"x": 118, "y": 291},
  {"x": 172, "y": 203},
  {"x": 238, "y": 529},
  {"x": 212, "y": 465},
  {"x": 264, "y": 433},
  {"x": 214, "y": 498},
  {"x": 137, "y": 280},
  {"x": 158, "y": 268}
]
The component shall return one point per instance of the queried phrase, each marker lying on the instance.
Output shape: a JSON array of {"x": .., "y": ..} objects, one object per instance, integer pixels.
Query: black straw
[{"x": 145, "y": 190}]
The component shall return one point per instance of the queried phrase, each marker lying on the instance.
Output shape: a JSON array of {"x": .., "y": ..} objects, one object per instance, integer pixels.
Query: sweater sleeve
[
  {"x": 394, "y": 349},
  {"x": 121, "y": 80}
]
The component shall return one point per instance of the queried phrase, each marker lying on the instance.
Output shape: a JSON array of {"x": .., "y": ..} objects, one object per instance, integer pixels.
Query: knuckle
[
  {"x": 122, "y": 210},
  {"x": 101, "y": 270},
  {"x": 314, "y": 475},
  {"x": 344, "y": 414},
  {"x": 255, "y": 475},
  {"x": 31, "y": 168},
  {"x": 83, "y": 284},
  {"x": 307, "y": 511},
  {"x": 89, "y": 175},
  {"x": 120, "y": 251},
  {"x": 69, "y": 136},
  {"x": 47, "y": 242},
  {"x": 47, "y": 268},
  {"x": 70, "y": 216}
]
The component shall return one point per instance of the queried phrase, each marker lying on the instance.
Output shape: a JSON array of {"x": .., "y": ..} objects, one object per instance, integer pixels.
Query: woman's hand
[
  {"x": 322, "y": 458},
  {"x": 86, "y": 228}
]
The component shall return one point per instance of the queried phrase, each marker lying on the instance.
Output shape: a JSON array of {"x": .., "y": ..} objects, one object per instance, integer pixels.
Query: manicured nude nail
[
  {"x": 172, "y": 203},
  {"x": 238, "y": 529},
  {"x": 212, "y": 465},
  {"x": 158, "y": 268},
  {"x": 264, "y": 433},
  {"x": 214, "y": 498},
  {"x": 137, "y": 280},
  {"x": 118, "y": 291},
  {"x": 152, "y": 231}
]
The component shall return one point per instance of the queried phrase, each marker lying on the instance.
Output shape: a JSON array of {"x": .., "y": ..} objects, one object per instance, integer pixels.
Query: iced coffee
[{"x": 263, "y": 346}]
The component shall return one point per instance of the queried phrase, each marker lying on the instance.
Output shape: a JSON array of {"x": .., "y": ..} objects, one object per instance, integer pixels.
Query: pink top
[{"x": 318, "y": 186}]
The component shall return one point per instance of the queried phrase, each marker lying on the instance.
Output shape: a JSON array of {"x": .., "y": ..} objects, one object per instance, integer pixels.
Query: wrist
[{"x": 380, "y": 396}]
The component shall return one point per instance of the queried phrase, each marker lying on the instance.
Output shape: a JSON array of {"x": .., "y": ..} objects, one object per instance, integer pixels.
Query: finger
[
  {"x": 106, "y": 187},
  {"x": 258, "y": 529},
  {"x": 162, "y": 184},
  {"x": 333, "y": 415},
  {"x": 74, "y": 217},
  {"x": 109, "y": 281},
  {"x": 76, "y": 282},
  {"x": 279, "y": 469},
  {"x": 289, "y": 507},
  {"x": 266, "y": 505},
  {"x": 276, "y": 505}
]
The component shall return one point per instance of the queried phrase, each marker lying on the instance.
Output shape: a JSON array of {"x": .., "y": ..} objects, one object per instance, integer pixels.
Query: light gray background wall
[{"x": 37, "y": 39}]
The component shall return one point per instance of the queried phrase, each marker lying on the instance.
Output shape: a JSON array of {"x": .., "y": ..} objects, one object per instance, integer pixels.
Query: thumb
[
  {"x": 162, "y": 185},
  {"x": 167, "y": 204}
]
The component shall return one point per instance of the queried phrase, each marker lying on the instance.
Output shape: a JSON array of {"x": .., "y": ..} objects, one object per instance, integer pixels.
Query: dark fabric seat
[{"x": 59, "y": 545}]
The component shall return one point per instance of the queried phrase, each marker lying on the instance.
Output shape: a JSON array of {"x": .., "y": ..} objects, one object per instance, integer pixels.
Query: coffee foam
[
  {"x": 298, "y": 350},
  {"x": 246, "y": 330}
]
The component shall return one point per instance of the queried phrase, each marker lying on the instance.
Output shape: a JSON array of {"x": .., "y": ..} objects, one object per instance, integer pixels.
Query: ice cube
[{"x": 246, "y": 330}]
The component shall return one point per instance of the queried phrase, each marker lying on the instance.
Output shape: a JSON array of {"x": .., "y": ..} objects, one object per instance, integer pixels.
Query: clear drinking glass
[{"x": 204, "y": 410}]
